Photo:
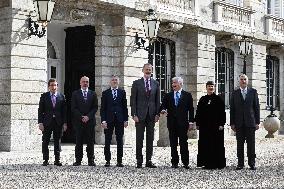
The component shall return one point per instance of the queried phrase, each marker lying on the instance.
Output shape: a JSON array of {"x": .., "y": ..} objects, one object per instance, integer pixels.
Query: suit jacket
[
  {"x": 179, "y": 115},
  {"x": 244, "y": 112},
  {"x": 80, "y": 107},
  {"x": 140, "y": 102},
  {"x": 111, "y": 107},
  {"x": 46, "y": 110}
]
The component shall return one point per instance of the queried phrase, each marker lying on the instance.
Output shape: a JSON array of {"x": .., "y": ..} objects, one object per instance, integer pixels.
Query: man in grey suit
[
  {"x": 244, "y": 120},
  {"x": 145, "y": 103}
]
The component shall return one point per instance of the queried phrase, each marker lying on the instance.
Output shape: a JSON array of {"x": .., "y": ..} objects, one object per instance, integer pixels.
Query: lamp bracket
[
  {"x": 33, "y": 28},
  {"x": 140, "y": 43}
]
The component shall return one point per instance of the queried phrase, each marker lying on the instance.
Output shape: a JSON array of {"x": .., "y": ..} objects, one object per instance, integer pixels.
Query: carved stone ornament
[
  {"x": 79, "y": 14},
  {"x": 169, "y": 28}
]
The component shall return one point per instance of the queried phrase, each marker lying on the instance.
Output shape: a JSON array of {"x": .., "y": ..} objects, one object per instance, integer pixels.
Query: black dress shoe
[
  {"x": 150, "y": 165},
  {"x": 239, "y": 167},
  {"x": 107, "y": 164},
  {"x": 186, "y": 166},
  {"x": 174, "y": 166},
  {"x": 45, "y": 163},
  {"x": 57, "y": 163},
  {"x": 77, "y": 163},
  {"x": 91, "y": 163},
  {"x": 119, "y": 164},
  {"x": 252, "y": 167},
  {"x": 139, "y": 165}
]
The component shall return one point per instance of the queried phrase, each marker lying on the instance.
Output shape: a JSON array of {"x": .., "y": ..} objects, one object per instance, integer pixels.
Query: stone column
[
  {"x": 163, "y": 132},
  {"x": 24, "y": 81},
  {"x": 281, "y": 84},
  {"x": 5, "y": 75},
  {"x": 132, "y": 64},
  {"x": 256, "y": 72},
  {"x": 200, "y": 64},
  {"x": 109, "y": 58}
]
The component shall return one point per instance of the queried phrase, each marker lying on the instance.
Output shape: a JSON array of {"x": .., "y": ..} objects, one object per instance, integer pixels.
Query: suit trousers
[
  {"x": 119, "y": 132},
  {"x": 84, "y": 131},
  {"x": 140, "y": 129},
  {"x": 178, "y": 135},
  {"x": 57, "y": 132},
  {"x": 246, "y": 134}
]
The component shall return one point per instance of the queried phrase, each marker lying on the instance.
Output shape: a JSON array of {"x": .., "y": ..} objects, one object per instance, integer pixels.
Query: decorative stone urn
[{"x": 271, "y": 123}]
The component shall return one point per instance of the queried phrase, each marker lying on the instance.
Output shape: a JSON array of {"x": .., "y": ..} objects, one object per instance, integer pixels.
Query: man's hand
[
  {"x": 65, "y": 127},
  {"x": 136, "y": 119},
  {"x": 125, "y": 124},
  {"x": 221, "y": 128},
  {"x": 41, "y": 127},
  {"x": 157, "y": 118},
  {"x": 190, "y": 126},
  {"x": 256, "y": 126},
  {"x": 104, "y": 124},
  {"x": 233, "y": 128},
  {"x": 85, "y": 119}
]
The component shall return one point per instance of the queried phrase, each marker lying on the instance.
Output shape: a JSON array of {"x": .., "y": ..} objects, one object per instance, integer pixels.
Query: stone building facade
[{"x": 198, "y": 41}]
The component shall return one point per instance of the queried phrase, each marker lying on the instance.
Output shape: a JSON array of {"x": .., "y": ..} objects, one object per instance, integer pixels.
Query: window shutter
[{"x": 277, "y": 8}]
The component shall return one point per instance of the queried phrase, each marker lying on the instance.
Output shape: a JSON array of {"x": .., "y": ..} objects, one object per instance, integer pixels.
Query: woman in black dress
[{"x": 210, "y": 120}]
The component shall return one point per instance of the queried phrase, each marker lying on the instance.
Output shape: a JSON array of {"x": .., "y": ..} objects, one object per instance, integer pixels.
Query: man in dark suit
[
  {"x": 244, "y": 120},
  {"x": 84, "y": 105},
  {"x": 145, "y": 103},
  {"x": 52, "y": 118},
  {"x": 114, "y": 115},
  {"x": 178, "y": 106}
]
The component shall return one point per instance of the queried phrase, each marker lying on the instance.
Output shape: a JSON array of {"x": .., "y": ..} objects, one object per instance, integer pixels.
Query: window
[
  {"x": 224, "y": 73},
  {"x": 272, "y": 82},
  {"x": 53, "y": 72},
  {"x": 162, "y": 57},
  {"x": 50, "y": 50},
  {"x": 275, "y": 7}
]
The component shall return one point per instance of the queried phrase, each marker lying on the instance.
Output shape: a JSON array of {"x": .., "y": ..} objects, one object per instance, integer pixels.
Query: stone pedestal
[
  {"x": 271, "y": 124},
  {"x": 192, "y": 134},
  {"x": 281, "y": 129},
  {"x": 164, "y": 140}
]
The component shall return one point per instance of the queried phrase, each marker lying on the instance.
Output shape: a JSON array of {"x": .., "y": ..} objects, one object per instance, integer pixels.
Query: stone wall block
[
  {"x": 28, "y": 86},
  {"x": 28, "y": 74},
  {"x": 24, "y": 111}
]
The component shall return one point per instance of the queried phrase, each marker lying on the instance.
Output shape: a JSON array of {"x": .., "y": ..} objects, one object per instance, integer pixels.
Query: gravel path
[{"x": 24, "y": 170}]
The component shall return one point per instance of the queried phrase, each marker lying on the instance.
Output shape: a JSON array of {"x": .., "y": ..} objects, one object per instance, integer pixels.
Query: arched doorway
[{"x": 54, "y": 66}]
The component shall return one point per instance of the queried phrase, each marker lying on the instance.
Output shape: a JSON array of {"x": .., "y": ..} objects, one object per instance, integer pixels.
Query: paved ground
[{"x": 24, "y": 170}]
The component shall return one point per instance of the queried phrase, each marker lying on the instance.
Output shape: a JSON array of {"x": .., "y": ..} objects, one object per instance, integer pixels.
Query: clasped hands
[{"x": 136, "y": 119}]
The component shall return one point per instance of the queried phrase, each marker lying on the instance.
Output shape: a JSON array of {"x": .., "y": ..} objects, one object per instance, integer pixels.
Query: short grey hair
[
  {"x": 114, "y": 76},
  {"x": 178, "y": 79},
  {"x": 243, "y": 75}
]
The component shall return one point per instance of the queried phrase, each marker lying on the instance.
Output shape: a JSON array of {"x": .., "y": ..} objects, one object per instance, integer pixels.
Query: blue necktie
[
  {"x": 177, "y": 98},
  {"x": 85, "y": 95},
  {"x": 114, "y": 94}
]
